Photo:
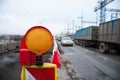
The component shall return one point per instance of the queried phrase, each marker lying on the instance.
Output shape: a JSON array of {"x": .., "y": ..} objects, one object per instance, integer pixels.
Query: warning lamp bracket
[{"x": 39, "y": 60}]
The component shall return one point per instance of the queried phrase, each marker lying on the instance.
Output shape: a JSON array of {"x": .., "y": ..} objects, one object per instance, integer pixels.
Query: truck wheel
[
  {"x": 6, "y": 51},
  {"x": 103, "y": 47},
  {"x": 83, "y": 44}
]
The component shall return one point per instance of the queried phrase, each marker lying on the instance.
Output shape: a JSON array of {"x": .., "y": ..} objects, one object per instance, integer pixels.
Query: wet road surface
[
  {"x": 10, "y": 68},
  {"x": 92, "y": 65}
]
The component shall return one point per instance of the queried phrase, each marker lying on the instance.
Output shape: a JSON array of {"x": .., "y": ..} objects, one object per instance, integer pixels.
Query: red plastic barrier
[
  {"x": 56, "y": 58},
  {"x": 27, "y": 57},
  {"x": 42, "y": 73}
]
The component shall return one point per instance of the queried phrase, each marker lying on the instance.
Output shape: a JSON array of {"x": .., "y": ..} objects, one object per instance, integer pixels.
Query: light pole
[
  {"x": 67, "y": 27},
  {"x": 73, "y": 26},
  {"x": 81, "y": 18}
]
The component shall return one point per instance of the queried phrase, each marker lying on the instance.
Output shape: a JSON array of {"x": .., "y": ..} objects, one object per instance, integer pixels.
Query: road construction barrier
[
  {"x": 37, "y": 41},
  {"x": 46, "y": 72},
  {"x": 56, "y": 55}
]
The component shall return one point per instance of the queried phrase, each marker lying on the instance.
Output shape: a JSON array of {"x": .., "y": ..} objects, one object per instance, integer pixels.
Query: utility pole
[
  {"x": 83, "y": 21},
  {"x": 115, "y": 14},
  {"x": 67, "y": 27},
  {"x": 101, "y": 7},
  {"x": 81, "y": 18},
  {"x": 73, "y": 26}
]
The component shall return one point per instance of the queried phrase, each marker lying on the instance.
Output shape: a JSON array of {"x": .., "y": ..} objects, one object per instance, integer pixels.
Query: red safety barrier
[
  {"x": 46, "y": 72},
  {"x": 56, "y": 55},
  {"x": 27, "y": 57}
]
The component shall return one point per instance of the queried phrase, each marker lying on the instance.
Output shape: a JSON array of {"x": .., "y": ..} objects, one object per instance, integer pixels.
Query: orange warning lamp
[{"x": 38, "y": 39}]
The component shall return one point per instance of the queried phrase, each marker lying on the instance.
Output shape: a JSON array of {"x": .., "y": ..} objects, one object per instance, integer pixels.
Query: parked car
[{"x": 66, "y": 41}]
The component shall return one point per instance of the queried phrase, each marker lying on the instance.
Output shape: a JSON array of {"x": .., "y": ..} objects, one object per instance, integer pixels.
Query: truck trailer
[
  {"x": 87, "y": 36},
  {"x": 109, "y": 35},
  {"x": 106, "y": 36}
]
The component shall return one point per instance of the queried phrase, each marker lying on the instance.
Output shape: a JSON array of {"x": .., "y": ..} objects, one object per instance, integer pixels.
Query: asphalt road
[
  {"x": 10, "y": 68},
  {"x": 92, "y": 65},
  {"x": 89, "y": 64}
]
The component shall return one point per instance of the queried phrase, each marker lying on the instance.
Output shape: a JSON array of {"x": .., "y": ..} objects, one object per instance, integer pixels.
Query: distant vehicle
[
  {"x": 66, "y": 41},
  {"x": 59, "y": 38}
]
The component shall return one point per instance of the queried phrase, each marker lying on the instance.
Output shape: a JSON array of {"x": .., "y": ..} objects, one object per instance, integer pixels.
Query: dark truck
[
  {"x": 86, "y": 36},
  {"x": 106, "y": 36}
]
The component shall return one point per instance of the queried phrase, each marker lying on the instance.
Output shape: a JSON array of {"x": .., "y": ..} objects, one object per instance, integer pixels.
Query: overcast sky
[{"x": 17, "y": 16}]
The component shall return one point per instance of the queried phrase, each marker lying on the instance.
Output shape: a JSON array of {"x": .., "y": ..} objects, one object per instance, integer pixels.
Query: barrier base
[{"x": 46, "y": 72}]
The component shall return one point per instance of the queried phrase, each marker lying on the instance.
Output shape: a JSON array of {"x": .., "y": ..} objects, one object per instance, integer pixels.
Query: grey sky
[{"x": 17, "y": 16}]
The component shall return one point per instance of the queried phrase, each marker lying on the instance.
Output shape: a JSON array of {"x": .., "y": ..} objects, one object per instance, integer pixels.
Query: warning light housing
[{"x": 37, "y": 41}]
